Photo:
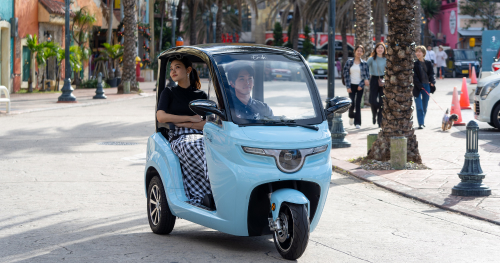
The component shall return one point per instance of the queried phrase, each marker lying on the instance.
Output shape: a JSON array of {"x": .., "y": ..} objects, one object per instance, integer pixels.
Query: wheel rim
[
  {"x": 155, "y": 205},
  {"x": 498, "y": 117},
  {"x": 284, "y": 237}
]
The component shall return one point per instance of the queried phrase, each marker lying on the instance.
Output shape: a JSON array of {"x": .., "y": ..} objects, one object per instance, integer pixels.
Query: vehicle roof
[{"x": 222, "y": 48}]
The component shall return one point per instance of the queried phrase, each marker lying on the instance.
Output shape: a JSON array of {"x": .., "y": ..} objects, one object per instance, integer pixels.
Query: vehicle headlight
[
  {"x": 458, "y": 63},
  {"x": 288, "y": 161},
  {"x": 488, "y": 88}
]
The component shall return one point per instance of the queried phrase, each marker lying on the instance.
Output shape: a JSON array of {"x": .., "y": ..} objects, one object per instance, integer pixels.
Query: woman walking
[
  {"x": 356, "y": 77},
  {"x": 376, "y": 63},
  {"x": 423, "y": 84}
]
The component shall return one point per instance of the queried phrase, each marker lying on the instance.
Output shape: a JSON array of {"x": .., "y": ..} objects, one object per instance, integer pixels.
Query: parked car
[
  {"x": 458, "y": 61},
  {"x": 318, "y": 65},
  {"x": 487, "y": 100},
  {"x": 277, "y": 70}
]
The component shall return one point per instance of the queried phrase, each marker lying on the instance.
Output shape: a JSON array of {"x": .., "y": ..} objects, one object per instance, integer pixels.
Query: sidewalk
[
  {"x": 443, "y": 152},
  {"x": 30, "y": 102}
]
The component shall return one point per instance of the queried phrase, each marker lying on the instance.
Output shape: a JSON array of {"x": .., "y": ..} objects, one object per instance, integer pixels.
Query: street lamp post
[
  {"x": 67, "y": 91},
  {"x": 315, "y": 37},
  {"x": 174, "y": 18},
  {"x": 214, "y": 10}
]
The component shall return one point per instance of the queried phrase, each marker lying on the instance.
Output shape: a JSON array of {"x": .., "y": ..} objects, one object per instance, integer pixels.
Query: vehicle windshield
[
  {"x": 465, "y": 55},
  {"x": 269, "y": 88},
  {"x": 317, "y": 59}
]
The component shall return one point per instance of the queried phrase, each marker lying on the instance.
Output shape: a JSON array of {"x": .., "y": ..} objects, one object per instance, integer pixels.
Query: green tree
[
  {"x": 82, "y": 25},
  {"x": 289, "y": 43},
  {"x": 35, "y": 48},
  {"x": 308, "y": 46},
  {"x": 47, "y": 50},
  {"x": 285, "y": 7},
  {"x": 112, "y": 53},
  {"x": 74, "y": 60},
  {"x": 430, "y": 9},
  {"x": 482, "y": 11},
  {"x": 278, "y": 34}
]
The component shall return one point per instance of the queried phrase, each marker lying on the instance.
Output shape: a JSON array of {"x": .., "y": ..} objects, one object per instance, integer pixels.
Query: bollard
[
  {"x": 126, "y": 87},
  {"x": 99, "y": 91},
  {"x": 370, "y": 140},
  {"x": 338, "y": 132},
  {"x": 398, "y": 152},
  {"x": 471, "y": 175}
]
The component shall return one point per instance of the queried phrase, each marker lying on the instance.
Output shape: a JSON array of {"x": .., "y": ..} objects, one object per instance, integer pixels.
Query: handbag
[{"x": 381, "y": 81}]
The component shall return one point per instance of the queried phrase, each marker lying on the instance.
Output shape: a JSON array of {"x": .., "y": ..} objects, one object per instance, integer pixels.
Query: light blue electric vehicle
[{"x": 268, "y": 174}]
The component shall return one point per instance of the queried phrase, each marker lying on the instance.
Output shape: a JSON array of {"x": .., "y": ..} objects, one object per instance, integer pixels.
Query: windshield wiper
[{"x": 289, "y": 123}]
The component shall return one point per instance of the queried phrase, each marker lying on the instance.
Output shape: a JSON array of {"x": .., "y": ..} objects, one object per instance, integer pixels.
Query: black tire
[
  {"x": 491, "y": 124},
  {"x": 297, "y": 234},
  {"x": 161, "y": 219},
  {"x": 495, "y": 117}
]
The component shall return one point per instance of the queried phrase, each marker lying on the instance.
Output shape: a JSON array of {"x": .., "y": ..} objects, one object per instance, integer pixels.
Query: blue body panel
[
  {"x": 291, "y": 196},
  {"x": 234, "y": 173}
]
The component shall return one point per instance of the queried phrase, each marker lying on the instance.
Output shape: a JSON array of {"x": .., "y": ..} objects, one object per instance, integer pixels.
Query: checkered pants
[{"x": 190, "y": 149}]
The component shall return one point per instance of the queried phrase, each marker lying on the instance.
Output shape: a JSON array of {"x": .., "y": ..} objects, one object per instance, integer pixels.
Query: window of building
[{"x": 246, "y": 19}]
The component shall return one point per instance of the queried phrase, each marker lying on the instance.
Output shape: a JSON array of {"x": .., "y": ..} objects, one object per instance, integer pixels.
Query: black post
[
  {"x": 174, "y": 18},
  {"x": 67, "y": 90},
  {"x": 331, "y": 56}
]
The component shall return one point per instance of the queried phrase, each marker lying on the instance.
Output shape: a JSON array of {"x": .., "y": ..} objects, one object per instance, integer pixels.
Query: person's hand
[
  {"x": 432, "y": 84},
  {"x": 349, "y": 91},
  {"x": 195, "y": 118},
  {"x": 367, "y": 83},
  {"x": 360, "y": 88}
]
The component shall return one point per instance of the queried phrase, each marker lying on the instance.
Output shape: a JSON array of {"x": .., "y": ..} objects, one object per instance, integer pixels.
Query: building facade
[{"x": 6, "y": 42}]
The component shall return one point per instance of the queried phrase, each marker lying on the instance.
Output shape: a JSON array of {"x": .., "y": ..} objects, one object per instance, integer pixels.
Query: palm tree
[
  {"x": 417, "y": 22},
  {"x": 114, "y": 53},
  {"x": 48, "y": 50},
  {"x": 130, "y": 40},
  {"x": 397, "y": 109},
  {"x": 379, "y": 12},
  {"x": 34, "y": 47},
  {"x": 81, "y": 27},
  {"x": 363, "y": 28},
  {"x": 193, "y": 10},
  {"x": 286, "y": 6},
  {"x": 430, "y": 9},
  {"x": 74, "y": 60}
]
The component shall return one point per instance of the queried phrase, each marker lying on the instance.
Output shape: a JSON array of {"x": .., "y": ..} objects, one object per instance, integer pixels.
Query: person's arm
[
  {"x": 365, "y": 74},
  {"x": 192, "y": 125},
  {"x": 430, "y": 74},
  {"x": 416, "y": 77},
  {"x": 164, "y": 117},
  {"x": 347, "y": 76}
]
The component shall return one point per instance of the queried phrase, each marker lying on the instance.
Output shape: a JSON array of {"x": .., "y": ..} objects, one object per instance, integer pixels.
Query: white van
[{"x": 487, "y": 100}]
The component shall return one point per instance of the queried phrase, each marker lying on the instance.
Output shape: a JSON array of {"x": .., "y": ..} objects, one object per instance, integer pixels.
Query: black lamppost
[
  {"x": 315, "y": 37},
  {"x": 214, "y": 9},
  {"x": 174, "y": 4},
  {"x": 67, "y": 90},
  {"x": 331, "y": 55}
]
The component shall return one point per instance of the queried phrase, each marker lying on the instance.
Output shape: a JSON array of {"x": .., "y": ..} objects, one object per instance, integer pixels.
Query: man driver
[{"x": 241, "y": 79}]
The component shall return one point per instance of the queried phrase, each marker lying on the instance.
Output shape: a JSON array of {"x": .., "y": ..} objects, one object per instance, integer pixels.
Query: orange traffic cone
[
  {"x": 473, "y": 79},
  {"x": 469, "y": 71},
  {"x": 455, "y": 107},
  {"x": 464, "y": 96}
]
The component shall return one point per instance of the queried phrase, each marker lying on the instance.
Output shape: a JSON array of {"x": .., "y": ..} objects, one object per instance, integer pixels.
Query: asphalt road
[{"x": 71, "y": 189}]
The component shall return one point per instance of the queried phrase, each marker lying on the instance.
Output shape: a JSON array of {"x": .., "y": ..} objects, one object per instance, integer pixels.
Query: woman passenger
[
  {"x": 187, "y": 138},
  {"x": 423, "y": 79},
  {"x": 356, "y": 76}
]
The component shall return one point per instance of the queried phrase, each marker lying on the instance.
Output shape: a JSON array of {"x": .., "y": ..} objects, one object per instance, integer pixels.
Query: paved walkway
[
  {"x": 30, "y": 102},
  {"x": 442, "y": 151}
]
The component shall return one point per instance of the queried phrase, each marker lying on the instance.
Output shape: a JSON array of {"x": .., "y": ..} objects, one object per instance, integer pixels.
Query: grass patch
[
  {"x": 361, "y": 160},
  {"x": 25, "y": 91}
]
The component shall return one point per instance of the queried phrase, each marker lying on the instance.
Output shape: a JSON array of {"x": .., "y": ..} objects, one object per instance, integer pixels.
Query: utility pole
[
  {"x": 331, "y": 55},
  {"x": 67, "y": 91}
]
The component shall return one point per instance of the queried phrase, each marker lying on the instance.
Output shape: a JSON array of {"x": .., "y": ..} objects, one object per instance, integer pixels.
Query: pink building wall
[{"x": 443, "y": 18}]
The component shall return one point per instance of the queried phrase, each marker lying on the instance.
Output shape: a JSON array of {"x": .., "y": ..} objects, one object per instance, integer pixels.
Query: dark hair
[
  {"x": 232, "y": 74},
  {"x": 359, "y": 46},
  {"x": 194, "y": 79},
  {"x": 374, "y": 52}
]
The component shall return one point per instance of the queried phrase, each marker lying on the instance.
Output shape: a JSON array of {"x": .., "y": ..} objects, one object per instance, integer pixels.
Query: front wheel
[
  {"x": 160, "y": 218},
  {"x": 291, "y": 241},
  {"x": 495, "y": 118}
]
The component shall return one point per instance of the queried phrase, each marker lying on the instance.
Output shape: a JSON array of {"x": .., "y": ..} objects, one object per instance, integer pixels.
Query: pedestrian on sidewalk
[
  {"x": 441, "y": 60},
  {"x": 423, "y": 84},
  {"x": 356, "y": 76},
  {"x": 376, "y": 63},
  {"x": 431, "y": 56}
]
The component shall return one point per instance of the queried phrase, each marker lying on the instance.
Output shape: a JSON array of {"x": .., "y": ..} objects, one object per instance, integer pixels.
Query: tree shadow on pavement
[{"x": 64, "y": 140}]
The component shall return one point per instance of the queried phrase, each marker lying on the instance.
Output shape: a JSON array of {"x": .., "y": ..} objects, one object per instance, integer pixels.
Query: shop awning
[{"x": 471, "y": 33}]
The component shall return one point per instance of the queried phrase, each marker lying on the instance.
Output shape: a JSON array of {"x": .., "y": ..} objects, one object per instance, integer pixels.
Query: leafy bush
[{"x": 92, "y": 84}]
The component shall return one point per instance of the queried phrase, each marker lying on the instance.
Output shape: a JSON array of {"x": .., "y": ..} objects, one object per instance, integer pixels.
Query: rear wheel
[
  {"x": 291, "y": 241},
  {"x": 160, "y": 217},
  {"x": 495, "y": 117}
]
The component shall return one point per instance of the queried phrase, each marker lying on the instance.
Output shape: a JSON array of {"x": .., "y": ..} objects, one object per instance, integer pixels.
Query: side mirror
[
  {"x": 202, "y": 107},
  {"x": 338, "y": 105}
]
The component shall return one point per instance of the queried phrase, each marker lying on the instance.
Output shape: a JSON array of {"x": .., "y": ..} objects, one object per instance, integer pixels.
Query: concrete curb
[
  {"x": 74, "y": 105},
  {"x": 350, "y": 169}
]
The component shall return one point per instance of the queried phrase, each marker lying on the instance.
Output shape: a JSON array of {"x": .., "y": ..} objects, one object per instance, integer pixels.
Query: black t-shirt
[
  {"x": 176, "y": 100},
  {"x": 254, "y": 110}
]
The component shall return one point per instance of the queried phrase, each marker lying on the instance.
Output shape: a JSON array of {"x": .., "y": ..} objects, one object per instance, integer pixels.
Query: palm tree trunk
[
  {"x": 363, "y": 28},
  {"x": 345, "y": 52},
  {"x": 193, "y": 9},
  {"x": 398, "y": 99},
  {"x": 110, "y": 21},
  {"x": 240, "y": 16},
  {"x": 162, "y": 10},
  {"x": 179, "y": 17},
  {"x": 218, "y": 21},
  {"x": 295, "y": 27},
  {"x": 417, "y": 21},
  {"x": 130, "y": 39}
]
